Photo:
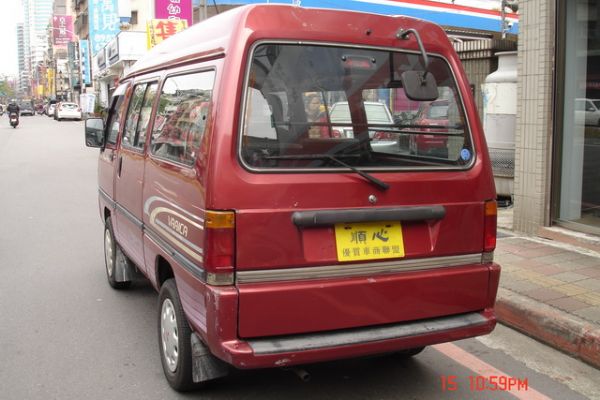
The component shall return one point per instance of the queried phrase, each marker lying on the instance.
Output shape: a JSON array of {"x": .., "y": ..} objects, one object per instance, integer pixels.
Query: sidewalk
[{"x": 550, "y": 289}]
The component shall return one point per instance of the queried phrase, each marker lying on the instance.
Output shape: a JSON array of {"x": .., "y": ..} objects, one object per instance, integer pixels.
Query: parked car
[
  {"x": 26, "y": 109},
  {"x": 377, "y": 114},
  {"x": 50, "y": 109},
  {"x": 68, "y": 111},
  {"x": 270, "y": 247},
  {"x": 587, "y": 111},
  {"x": 432, "y": 116}
]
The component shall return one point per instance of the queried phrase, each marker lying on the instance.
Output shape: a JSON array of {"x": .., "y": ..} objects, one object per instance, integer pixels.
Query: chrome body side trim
[
  {"x": 348, "y": 270},
  {"x": 137, "y": 222},
  {"x": 192, "y": 267},
  {"x": 107, "y": 198},
  {"x": 348, "y": 337}
]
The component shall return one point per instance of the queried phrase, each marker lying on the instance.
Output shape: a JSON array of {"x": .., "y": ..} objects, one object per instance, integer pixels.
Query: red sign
[{"x": 62, "y": 29}]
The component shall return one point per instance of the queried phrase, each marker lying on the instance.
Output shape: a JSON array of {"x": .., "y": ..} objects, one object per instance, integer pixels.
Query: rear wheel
[{"x": 174, "y": 339}]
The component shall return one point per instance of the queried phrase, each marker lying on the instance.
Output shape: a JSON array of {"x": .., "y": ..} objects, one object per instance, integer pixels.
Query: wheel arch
[{"x": 164, "y": 271}]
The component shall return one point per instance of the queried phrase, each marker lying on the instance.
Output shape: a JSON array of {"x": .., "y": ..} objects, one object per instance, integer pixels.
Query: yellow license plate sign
[{"x": 368, "y": 241}]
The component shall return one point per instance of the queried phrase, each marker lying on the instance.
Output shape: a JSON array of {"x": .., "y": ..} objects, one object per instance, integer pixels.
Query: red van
[{"x": 270, "y": 246}]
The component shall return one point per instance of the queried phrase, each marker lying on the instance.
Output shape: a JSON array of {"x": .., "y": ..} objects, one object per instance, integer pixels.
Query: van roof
[{"x": 230, "y": 32}]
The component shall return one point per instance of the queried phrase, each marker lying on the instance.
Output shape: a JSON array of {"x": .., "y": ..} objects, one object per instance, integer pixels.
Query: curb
[{"x": 556, "y": 328}]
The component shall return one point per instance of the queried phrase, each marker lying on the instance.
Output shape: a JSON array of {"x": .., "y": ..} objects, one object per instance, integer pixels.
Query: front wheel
[
  {"x": 113, "y": 255},
  {"x": 174, "y": 339}
]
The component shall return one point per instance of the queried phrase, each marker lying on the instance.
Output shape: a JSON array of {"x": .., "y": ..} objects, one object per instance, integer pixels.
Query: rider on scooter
[{"x": 13, "y": 107}]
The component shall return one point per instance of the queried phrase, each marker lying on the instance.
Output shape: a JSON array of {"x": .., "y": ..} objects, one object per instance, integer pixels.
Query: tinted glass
[
  {"x": 305, "y": 103},
  {"x": 133, "y": 115},
  {"x": 182, "y": 116},
  {"x": 114, "y": 119}
]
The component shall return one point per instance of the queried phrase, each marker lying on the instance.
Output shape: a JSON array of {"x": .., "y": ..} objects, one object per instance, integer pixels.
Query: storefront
[
  {"x": 576, "y": 180},
  {"x": 557, "y": 154}
]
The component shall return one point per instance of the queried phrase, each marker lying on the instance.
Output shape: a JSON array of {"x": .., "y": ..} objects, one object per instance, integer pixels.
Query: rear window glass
[{"x": 306, "y": 103}]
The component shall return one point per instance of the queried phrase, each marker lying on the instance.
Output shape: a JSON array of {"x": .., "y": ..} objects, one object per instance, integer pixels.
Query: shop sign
[
  {"x": 160, "y": 29},
  {"x": 104, "y": 23},
  {"x": 174, "y": 9}
]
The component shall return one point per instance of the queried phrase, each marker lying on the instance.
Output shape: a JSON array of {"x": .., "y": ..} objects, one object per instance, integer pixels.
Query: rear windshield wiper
[{"x": 380, "y": 184}]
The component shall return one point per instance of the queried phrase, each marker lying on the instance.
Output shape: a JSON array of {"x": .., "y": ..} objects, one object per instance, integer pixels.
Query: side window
[
  {"x": 181, "y": 117},
  {"x": 114, "y": 119},
  {"x": 133, "y": 116},
  {"x": 145, "y": 113}
]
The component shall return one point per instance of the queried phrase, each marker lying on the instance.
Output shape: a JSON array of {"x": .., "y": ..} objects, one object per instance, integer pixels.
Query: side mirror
[{"x": 94, "y": 132}]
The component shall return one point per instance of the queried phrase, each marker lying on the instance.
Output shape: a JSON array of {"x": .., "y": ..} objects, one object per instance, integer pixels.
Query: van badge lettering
[{"x": 177, "y": 226}]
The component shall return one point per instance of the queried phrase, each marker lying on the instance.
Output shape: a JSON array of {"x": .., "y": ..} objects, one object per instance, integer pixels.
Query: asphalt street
[{"x": 65, "y": 334}]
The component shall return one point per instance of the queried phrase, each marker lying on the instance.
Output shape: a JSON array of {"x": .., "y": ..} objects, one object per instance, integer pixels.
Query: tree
[{"x": 6, "y": 90}]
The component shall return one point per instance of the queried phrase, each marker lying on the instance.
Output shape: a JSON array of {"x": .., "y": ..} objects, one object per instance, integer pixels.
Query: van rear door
[{"x": 342, "y": 225}]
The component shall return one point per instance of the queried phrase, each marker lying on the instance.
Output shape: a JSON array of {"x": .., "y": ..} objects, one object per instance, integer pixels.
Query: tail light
[
  {"x": 383, "y": 136},
  {"x": 489, "y": 225},
  {"x": 219, "y": 247}
]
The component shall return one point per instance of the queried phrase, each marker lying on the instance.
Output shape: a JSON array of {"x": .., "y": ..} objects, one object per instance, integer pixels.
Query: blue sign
[
  {"x": 84, "y": 59},
  {"x": 442, "y": 13},
  {"x": 104, "y": 23}
]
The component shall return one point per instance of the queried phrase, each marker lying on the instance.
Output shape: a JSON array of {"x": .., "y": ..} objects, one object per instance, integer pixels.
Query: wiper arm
[{"x": 380, "y": 184}]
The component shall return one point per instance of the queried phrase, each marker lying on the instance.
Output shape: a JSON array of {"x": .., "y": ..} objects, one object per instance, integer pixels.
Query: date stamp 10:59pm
[{"x": 478, "y": 383}]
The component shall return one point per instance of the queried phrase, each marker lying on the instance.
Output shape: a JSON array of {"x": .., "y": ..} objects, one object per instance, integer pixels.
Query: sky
[{"x": 10, "y": 14}]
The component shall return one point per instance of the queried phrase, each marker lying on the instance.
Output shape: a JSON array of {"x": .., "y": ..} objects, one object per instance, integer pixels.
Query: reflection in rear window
[{"x": 307, "y": 103}]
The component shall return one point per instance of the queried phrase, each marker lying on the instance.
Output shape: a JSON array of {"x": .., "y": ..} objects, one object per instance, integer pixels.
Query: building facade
[{"x": 557, "y": 151}]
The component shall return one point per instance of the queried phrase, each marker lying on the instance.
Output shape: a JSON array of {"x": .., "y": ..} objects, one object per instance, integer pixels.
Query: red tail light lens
[
  {"x": 383, "y": 136},
  {"x": 489, "y": 225},
  {"x": 219, "y": 246}
]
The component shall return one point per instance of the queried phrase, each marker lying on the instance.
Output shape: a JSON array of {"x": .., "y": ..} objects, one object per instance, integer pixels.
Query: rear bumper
[{"x": 310, "y": 348}]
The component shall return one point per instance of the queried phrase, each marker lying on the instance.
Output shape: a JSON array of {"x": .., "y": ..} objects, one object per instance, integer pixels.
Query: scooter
[{"x": 14, "y": 119}]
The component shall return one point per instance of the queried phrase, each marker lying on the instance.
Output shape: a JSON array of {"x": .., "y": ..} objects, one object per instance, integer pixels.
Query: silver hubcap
[
  {"x": 108, "y": 252},
  {"x": 169, "y": 335}
]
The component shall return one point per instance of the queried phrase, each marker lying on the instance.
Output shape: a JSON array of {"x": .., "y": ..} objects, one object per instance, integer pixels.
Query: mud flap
[
  {"x": 205, "y": 366},
  {"x": 124, "y": 268}
]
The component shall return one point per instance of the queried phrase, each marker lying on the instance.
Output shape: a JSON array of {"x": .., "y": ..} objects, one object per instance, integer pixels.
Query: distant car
[
  {"x": 431, "y": 116},
  {"x": 587, "y": 111},
  {"x": 50, "y": 109},
  {"x": 66, "y": 110},
  {"x": 377, "y": 114},
  {"x": 26, "y": 109}
]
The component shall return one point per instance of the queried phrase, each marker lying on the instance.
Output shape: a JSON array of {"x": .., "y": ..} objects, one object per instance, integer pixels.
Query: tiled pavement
[{"x": 550, "y": 289}]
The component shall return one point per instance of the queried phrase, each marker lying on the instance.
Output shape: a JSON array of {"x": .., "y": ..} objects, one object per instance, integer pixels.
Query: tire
[
  {"x": 174, "y": 339},
  {"x": 111, "y": 252},
  {"x": 409, "y": 352}
]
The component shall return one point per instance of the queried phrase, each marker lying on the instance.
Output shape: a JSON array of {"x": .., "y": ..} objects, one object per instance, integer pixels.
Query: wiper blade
[{"x": 380, "y": 184}]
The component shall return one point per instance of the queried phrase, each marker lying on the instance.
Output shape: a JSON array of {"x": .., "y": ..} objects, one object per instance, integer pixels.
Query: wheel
[
  {"x": 112, "y": 255},
  {"x": 174, "y": 339},
  {"x": 409, "y": 352}
]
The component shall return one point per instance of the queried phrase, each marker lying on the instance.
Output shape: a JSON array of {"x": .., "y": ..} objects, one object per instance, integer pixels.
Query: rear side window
[
  {"x": 181, "y": 117},
  {"x": 308, "y": 104}
]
